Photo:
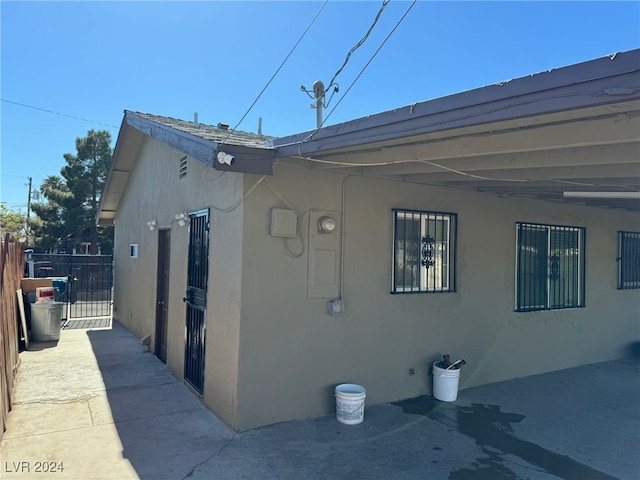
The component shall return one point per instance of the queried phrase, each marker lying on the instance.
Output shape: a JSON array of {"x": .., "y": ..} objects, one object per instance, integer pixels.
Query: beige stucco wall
[
  {"x": 292, "y": 353},
  {"x": 155, "y": 191},
  {"x": 274, "y": 354}
]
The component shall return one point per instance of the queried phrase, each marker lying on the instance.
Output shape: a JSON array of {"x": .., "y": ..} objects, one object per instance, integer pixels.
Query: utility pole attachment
[
  {"x": 318, "y": 96},
  {"x": 26, "y": 221}
]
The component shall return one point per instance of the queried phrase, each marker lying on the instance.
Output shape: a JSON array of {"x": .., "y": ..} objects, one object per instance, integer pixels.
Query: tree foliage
[
  {"x": 11, "y": 222},
  {"x": 68, "y": 216},
  {"x": 50, "y": 226}
]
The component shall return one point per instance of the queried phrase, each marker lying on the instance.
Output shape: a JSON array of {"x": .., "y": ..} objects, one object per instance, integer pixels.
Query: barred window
[
  {"x": 424, "y": 251},
  {"x": 628, "y": 260},
  {"x": 549, "y": 267}
]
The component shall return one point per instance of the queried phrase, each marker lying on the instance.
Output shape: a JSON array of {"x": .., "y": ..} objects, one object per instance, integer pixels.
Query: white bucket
[
  {"x": 445, "y": 383},
  {"x": 350, "y": 403}
]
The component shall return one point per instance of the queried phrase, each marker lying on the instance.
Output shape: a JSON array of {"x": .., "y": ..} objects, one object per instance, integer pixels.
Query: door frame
[
  {"x": 196, "y": 300},
  {"x": 162, "y": 292}
]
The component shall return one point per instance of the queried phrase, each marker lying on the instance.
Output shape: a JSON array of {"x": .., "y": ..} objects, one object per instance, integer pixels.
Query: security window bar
[
  {"x": 423, "y": 252},
  {"x": 549, "y": 267},
  {"x": 628, "y": 260}
]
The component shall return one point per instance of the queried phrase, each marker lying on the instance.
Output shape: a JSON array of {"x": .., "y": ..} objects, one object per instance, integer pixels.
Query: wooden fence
[{"x": 11, "y": 270}]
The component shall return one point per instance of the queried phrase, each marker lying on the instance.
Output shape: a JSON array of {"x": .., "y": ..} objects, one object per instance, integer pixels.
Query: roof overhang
[
  {"x": 183, "y": 137},
  {"x": 572, "y": 129},
  {"x": 124, "y": 158}
]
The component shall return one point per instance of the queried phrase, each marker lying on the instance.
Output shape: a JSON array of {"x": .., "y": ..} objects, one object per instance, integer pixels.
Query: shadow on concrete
[
  {"x": 634, "y": 349},
  {"x": 580, "y": 423},
  {"x": 39, "y": 346},
  {"x": 164, "y": 430}
]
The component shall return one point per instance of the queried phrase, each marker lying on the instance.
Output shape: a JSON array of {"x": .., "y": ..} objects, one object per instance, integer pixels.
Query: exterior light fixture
[
  {"x": 326, "y": 224},
  {"x": 181, "y": 218},
  {"x": 152, "y": 224}
]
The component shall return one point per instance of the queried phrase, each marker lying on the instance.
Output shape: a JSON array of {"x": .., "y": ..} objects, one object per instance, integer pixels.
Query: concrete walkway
[{"x": 97, "y": 405}]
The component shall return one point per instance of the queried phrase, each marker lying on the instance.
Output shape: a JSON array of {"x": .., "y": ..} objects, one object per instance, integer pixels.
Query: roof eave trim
[
  {"x": 194, "y": 146},
  {"x": 99, "y": 220},
  {"x": 567, "y": 88}
]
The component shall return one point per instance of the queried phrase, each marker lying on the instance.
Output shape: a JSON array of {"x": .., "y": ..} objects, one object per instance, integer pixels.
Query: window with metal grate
[
  {"x": 550, "y": 267},
  {"x": 424, "y": 251},
  {"x": 628, "y": 260}
]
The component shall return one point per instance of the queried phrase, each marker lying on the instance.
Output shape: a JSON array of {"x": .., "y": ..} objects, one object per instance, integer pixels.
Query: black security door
[{"x": 196, "y": 299}]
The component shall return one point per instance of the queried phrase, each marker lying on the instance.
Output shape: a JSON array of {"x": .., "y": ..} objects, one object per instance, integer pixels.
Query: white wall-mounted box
[{"x": 284, "y": 223}]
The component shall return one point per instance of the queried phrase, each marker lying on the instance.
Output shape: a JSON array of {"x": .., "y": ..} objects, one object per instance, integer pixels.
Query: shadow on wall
[{"x": 164, "y": 429}]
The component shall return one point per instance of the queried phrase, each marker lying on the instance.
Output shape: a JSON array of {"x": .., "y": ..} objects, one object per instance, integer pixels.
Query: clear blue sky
[{"x": 93, "y": 60}]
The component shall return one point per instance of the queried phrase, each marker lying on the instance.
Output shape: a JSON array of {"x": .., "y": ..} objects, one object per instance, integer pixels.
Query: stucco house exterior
[{"x": 497, "y": 225}]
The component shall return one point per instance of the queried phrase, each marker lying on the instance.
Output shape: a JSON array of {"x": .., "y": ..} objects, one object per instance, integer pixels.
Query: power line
[
  {"x": 276, "y": 72},
  {"x": 58, "y": 113},
  {"x": 370, "y": 60},
  {"x": 359, "y": 44},
  {"x": 310, "y": 136},
  {"x": 319, "y": 90}
]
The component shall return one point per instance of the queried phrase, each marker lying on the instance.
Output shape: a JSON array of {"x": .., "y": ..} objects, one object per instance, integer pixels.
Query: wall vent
[
  {"x": 284, "y": 223},
  {"x": 182, "y": 167}
]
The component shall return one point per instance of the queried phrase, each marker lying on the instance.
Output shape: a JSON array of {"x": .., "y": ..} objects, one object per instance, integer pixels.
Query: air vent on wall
[
  {"x": 284, "y": 223},
  {"x": 182, "y": 167}
]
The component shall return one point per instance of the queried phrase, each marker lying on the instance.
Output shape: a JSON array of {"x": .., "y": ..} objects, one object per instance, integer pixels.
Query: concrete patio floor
[{"x": 98, "y": 405}]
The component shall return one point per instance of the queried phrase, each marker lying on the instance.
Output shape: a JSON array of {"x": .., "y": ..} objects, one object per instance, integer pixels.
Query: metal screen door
[{"x": 196, "y": 299}]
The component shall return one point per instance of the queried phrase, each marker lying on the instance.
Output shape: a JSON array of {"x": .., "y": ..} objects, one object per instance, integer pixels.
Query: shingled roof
[
  {"x": 216, "y": 134},
  {"x": 198, "y": 140}
]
